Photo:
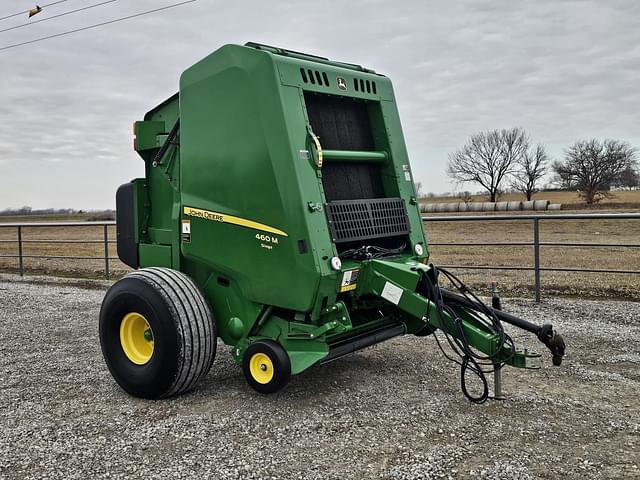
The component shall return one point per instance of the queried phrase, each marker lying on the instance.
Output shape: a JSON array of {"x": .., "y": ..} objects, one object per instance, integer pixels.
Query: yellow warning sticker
[{"x": 349, "y": 280}]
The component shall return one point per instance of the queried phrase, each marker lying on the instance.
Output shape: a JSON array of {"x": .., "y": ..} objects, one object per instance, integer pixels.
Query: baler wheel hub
[
  {"x": 261, "y": 368},
  {"x": 136, "y": 338}
]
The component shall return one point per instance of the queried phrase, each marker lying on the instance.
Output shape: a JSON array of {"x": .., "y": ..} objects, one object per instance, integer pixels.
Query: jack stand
[
  {"x": 497, "y": 383},
  {"x": 496, "y": 303}
]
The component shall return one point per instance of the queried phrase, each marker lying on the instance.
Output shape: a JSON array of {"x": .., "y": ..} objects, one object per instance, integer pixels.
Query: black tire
[
  {"x": 183, "y": 332},
  {"x": 280, "y": 363}
]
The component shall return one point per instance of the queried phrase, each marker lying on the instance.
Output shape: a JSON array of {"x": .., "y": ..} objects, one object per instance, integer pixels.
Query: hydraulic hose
[{"x": 545, "y": 333}]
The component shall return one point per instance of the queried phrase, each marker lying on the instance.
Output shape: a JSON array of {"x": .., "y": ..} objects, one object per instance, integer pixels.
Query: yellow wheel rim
[
  {"x": 136, "y": 338},
  {"x": 261, "y": 368}
]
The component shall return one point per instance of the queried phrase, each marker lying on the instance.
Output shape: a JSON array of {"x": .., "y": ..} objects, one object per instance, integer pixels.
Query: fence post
[
  {"x": 20, "y": 251},
  {"x": 536, "y": 255},
  {"x": 106, "y": 251}
]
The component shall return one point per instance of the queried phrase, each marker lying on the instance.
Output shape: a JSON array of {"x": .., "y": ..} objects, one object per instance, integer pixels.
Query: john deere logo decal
[{"x": 342, "y": 84}]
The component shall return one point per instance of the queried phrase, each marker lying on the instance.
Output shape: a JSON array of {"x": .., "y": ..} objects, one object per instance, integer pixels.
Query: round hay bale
[
  {"x": 452, "y": 207},
  {"x": 441, "y": 207},
  {"x": 514, "y": 206},
  {"x": 528, "y": 205},
  {"x": 463, "y": 207},
  {"x": 501, "y": 206},
  {"x": 540, "y": 204},
  {"x": 488, "y": 207},
  {"x": 475, "y": 207},
  {"x": 554, "y": 206},
  {"x": 428, "y": 207}
]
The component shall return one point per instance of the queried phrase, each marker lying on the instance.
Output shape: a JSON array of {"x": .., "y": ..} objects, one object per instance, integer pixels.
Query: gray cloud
[{"x": 560, "y": 69}]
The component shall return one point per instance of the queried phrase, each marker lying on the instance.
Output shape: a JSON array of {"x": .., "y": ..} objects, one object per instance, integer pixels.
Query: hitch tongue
[{"x": 545, "y": 333}]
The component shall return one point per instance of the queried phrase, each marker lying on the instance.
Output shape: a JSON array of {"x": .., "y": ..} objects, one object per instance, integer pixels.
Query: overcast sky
[{"x": 563, "y": 70}]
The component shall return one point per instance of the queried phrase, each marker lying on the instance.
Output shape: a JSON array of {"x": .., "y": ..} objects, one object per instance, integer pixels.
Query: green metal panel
[
  {"x": 147, "y": 134},
  {"x": 155, "y": 255},
  {"x": 236, "y": 171}
]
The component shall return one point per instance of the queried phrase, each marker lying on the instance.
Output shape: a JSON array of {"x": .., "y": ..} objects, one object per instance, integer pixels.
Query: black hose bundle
[
  {"x": 469, "y": 360},
  {"x": 367, "y": 252}
]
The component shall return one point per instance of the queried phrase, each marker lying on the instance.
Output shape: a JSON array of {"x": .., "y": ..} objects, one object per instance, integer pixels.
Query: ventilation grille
[
  {"x": 314, "y": 77},
  {"x": 352, "y": 220},
  {"x": 362, "y": 86}
]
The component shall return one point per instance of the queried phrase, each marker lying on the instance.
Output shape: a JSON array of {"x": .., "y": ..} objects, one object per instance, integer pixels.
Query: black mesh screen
[
  {"x": 341, "y": 123},
  {"x": 354, "y": 220},
  {"x": 350, "y": 181}
]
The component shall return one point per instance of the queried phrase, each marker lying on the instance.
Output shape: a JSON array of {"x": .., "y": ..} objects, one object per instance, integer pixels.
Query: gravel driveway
[{"x": 394, "y": 411}]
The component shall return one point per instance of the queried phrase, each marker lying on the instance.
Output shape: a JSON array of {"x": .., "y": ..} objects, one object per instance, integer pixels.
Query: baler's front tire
[
  {"x": 266, "y": 366},
  {"x": 157, "y": 333}
]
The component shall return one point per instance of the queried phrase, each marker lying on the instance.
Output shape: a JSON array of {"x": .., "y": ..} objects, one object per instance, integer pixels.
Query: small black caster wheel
[{"x": 266, "y": 366}]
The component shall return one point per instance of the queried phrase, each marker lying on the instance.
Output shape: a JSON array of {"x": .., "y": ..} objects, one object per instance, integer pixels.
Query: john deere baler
[{"x": 278, "y": 213}]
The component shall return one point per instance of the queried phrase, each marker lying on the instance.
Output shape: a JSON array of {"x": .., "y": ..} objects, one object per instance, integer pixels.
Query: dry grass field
[
  {"x": 88, "y": 242},
  {"x": 620, "y": 199}
]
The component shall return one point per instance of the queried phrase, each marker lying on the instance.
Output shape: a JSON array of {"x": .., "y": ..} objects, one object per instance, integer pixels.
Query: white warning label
[
  {"x": 407, "y": 172},
  {"x": 392, "y": 293},
  {"x": 186, "y": 231}
]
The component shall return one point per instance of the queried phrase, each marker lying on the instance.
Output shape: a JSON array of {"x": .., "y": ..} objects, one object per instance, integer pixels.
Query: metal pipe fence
[
  {"x": 536, "y": 243},
  {"x": 535, "y": 221},
  {"x": 22, "y": 241}
]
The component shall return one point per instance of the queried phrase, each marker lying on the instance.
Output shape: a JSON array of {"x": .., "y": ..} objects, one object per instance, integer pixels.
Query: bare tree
[
  {"x": 530, "y": 169},
  {"x": 487, "y": 158},
  {"x": 418, "y": 186},
  {"x": 592, "y": 166},
  {"x": 466, "y": 197},
  {"x": 561, "y": 178},
  {"x": 628, "y": 179}
]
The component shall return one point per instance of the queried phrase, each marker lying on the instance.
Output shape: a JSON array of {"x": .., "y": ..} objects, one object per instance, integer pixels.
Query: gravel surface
[{"x": 394, "y": 411}]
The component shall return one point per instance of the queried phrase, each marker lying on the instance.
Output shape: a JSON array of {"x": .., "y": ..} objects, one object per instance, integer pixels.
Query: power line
[
  {"x": 57, "y": 16},
  {"x": 95, "y": 25},
  {"x": 27, "y": 11}
]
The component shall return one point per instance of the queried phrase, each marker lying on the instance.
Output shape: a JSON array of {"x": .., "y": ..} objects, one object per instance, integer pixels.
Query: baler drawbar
[{"x": 278, "y": 213}]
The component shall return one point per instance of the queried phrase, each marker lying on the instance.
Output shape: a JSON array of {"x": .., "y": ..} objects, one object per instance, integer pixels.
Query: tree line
[
  {"x": 95, "y": 215},
  {"x": 501, "y": 159},
  {"x": 26, "y": 210}
]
